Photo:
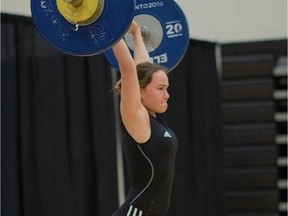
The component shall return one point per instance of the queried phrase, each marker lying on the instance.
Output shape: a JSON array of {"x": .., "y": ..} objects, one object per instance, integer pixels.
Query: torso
[{"x": 151, "y": 168}]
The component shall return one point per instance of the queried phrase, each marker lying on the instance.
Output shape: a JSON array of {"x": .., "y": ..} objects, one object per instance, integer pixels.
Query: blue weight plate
[
  {"x": 172, "y": 26},
  {"x": 88, "y": 40}
]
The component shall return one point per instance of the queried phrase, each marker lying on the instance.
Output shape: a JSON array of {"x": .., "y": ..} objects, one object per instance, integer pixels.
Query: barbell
[{"x": 90, "y": 27}]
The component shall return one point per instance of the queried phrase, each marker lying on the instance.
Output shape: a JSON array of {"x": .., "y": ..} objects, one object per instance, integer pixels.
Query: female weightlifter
[{"x": 149, "y": 144}]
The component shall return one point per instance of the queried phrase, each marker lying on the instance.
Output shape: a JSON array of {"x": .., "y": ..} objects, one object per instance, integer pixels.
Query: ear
[{"x": 141, "y": 91}]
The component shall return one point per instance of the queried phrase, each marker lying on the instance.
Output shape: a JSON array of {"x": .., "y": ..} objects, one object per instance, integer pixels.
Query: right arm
[
  {"x": 134, "y": 115},
  {"x": 140, "y": 52}
]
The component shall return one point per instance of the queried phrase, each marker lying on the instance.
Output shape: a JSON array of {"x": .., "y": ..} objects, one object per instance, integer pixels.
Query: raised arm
[
  {"x": 140, "y": 52},
  {"x": 134, "y": 115}
]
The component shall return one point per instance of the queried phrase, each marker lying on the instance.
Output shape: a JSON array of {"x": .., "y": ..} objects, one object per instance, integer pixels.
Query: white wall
[{"x": 216, "y": 20}]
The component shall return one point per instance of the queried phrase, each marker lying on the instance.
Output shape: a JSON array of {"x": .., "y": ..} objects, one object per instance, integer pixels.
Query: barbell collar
[{"x": 80, "y": 12}]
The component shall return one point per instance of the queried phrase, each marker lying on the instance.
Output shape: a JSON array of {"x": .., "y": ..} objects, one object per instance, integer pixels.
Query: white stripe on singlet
[
  {"x": 130, "y": 210},
  {"x": 140, "y": 213},
  {"x": 134, "y": 212}
]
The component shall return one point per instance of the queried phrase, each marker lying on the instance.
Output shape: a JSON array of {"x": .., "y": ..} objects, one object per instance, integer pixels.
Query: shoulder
[{"x": 137, "y": 125}]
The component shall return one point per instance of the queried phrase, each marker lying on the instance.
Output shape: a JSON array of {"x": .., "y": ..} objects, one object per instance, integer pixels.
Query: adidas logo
[{"x": 166, "y": 134}]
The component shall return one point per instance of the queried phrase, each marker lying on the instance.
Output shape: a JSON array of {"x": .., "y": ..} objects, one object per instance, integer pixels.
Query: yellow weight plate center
[{"x": 82, "y": 12}]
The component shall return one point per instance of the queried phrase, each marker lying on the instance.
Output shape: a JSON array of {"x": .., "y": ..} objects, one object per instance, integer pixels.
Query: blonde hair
[{"x": 145, "y": 72}]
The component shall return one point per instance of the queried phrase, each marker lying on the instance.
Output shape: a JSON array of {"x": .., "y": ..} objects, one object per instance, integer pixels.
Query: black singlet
[{"x": 151, "y": 169}]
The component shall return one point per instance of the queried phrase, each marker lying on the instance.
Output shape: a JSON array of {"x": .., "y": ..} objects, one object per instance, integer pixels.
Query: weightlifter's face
[{"x": 155, "y": 95}]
